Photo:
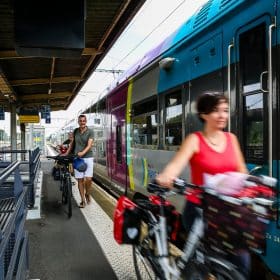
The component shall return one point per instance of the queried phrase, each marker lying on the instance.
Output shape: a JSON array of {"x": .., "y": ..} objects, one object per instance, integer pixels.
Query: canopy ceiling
[{"x": 31, "y": 81}]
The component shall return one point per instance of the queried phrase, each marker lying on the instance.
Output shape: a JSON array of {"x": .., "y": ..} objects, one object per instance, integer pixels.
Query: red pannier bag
[{"x": 127, "y": 222}]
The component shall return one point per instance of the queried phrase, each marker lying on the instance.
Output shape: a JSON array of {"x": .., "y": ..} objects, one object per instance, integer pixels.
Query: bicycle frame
[
  {"x": 194, "y": 255},
  {"x": 65, "y": 180},
  {"x": 159, "y": 230}
]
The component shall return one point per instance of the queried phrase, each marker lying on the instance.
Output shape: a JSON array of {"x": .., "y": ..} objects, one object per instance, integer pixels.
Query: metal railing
[
  {"x": 29, "y": 166},
  {"x": 13, "y": 236}
]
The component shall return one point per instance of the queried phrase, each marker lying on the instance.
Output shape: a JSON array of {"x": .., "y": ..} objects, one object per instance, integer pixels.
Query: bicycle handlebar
[
  {"x": 263, "y": 180},
  {"x": 62, "y": 159},
  {"x": 181, "y": 185}
]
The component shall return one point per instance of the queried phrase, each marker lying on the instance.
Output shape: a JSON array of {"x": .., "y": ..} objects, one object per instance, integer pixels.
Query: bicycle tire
[
  {"x": 219, "y": 269},
  {"x": 142, "y": 266},
  {"x": 64, "y": 196},
  {"x": 69, "y": 196},
  {"x": 61, "y": 178}
]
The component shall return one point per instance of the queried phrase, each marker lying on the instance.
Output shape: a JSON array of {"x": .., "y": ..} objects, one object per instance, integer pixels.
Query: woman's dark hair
[{"x": 207, "y": 102}]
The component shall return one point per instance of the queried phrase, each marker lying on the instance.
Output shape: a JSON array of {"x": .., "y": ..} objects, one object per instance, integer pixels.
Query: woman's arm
[
  {"x": 240, "y": 158},
  {"x": 174, "y": 168}
]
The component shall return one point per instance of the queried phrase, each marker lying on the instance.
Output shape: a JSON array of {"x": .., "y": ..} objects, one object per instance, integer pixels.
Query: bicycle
[
  {"x": 198, "y": 260},
  {"x": 65, "y": 180}
]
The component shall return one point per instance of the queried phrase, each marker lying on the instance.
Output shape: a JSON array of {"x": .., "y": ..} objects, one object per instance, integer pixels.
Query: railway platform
[{"x": 81, "y": 247}]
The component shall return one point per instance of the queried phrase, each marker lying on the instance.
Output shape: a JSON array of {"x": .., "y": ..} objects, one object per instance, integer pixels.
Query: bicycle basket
[
  {"x": 231, "y": 224},
  {"x": 127, "y": 222}
]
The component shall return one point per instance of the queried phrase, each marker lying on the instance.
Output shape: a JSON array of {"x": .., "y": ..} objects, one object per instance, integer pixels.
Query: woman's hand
[{"x": 165, "y": 180}]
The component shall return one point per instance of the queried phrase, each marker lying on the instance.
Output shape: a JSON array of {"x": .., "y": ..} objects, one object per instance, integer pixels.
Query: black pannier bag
[
  {"x": 56, "y": 173},
  {"x": 127, "y": 222}
]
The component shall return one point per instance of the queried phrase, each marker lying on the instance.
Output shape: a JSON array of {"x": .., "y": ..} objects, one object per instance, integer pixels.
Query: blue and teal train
[{"x": 228, "y": 46}]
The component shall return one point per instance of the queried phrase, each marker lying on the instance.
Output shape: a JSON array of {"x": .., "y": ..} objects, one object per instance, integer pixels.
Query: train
[{"x": 227, "y": 46}]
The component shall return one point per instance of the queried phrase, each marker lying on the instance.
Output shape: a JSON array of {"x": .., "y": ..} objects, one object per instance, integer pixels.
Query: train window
[
  {"x": 145, "y": 124},
  {"x": 119, "y": 143},
  {"x": 254, "y": 128},
  {"x": 173, "y": 119},
  {"x": 100, "y": 152},
  {"x": 252, "y": 54}
]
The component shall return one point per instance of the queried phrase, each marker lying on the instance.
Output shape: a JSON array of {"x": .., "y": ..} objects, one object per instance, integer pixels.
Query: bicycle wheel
[
  {"x": 218, "y": 270},
  {"x": 61, "y": 178},
  {"x": 69, "y": 196},
  {"x": 144, "y": 267},
  {"x": 64, "y": 191}
]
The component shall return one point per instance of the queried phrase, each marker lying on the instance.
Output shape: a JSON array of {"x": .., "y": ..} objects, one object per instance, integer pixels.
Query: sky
[{"x": 155, "y": 21}]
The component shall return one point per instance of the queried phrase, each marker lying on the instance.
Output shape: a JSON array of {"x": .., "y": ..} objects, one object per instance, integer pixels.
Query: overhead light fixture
[
  {"x": 166, "y": 63},
  {"x": 49, "y": 91}
]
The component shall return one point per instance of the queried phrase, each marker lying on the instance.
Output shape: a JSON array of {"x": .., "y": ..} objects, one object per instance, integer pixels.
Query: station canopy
[{"x": 48, "y": 49}]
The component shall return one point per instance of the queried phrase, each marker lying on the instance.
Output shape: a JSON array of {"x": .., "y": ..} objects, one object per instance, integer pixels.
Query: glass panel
[
  {"x": 145, "y": 130},
  {"x": 101, "y": 152},
  {"x": 173, "y": 120},
  {"x": 119, "y": 143},
  {"x": 254, "y": 128},
  {"x": 145, "y": 124},
  {"x": 252, "y": 54}
]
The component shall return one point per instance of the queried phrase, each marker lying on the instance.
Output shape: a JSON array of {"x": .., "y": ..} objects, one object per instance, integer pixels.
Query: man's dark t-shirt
[{"x": 81, "y": 140}]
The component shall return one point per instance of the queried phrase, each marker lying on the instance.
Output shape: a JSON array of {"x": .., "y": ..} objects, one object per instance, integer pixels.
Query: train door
[
  {"x": 117, "y": 156},
  {"x": 254, "y": 103},
  {"x": 255, "y": 92}
]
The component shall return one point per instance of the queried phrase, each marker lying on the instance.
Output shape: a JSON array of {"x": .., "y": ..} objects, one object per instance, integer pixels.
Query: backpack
[{"x": 56, "y": 173}]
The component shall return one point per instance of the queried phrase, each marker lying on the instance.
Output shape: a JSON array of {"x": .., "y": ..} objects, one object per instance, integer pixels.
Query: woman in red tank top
[{"x": 209, "y": 151}]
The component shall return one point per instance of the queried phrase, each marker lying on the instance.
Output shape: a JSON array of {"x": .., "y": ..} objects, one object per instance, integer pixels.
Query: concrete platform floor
[{"x": 62, "y": 248}]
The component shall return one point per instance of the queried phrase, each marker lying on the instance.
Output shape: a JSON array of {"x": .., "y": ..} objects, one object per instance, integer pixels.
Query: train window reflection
[
  {"x": 119, "y": 143},
  {"x": 252, "y": 54},
  {"x": 254, "y": 128},
  {"x": 145, "y": 124},
  {"x": 173, "y": 119}
]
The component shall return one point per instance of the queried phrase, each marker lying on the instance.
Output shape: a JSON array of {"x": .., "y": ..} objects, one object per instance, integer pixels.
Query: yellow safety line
[{"x": 128, "y": 139}]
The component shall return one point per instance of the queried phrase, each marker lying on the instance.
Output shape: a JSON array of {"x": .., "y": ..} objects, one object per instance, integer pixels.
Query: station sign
[
  {"x": 29, "y": 114},
  {"x": 29, "y": 119}
]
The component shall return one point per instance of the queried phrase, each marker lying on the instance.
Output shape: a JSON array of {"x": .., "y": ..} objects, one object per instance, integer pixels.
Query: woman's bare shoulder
[
  {"x": 232, "y": 136},
  {"x": 192, "y": 141}
]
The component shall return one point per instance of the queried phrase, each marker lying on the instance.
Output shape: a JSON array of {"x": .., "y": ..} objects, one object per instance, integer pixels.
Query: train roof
[{"x": 206, "y": 15}]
